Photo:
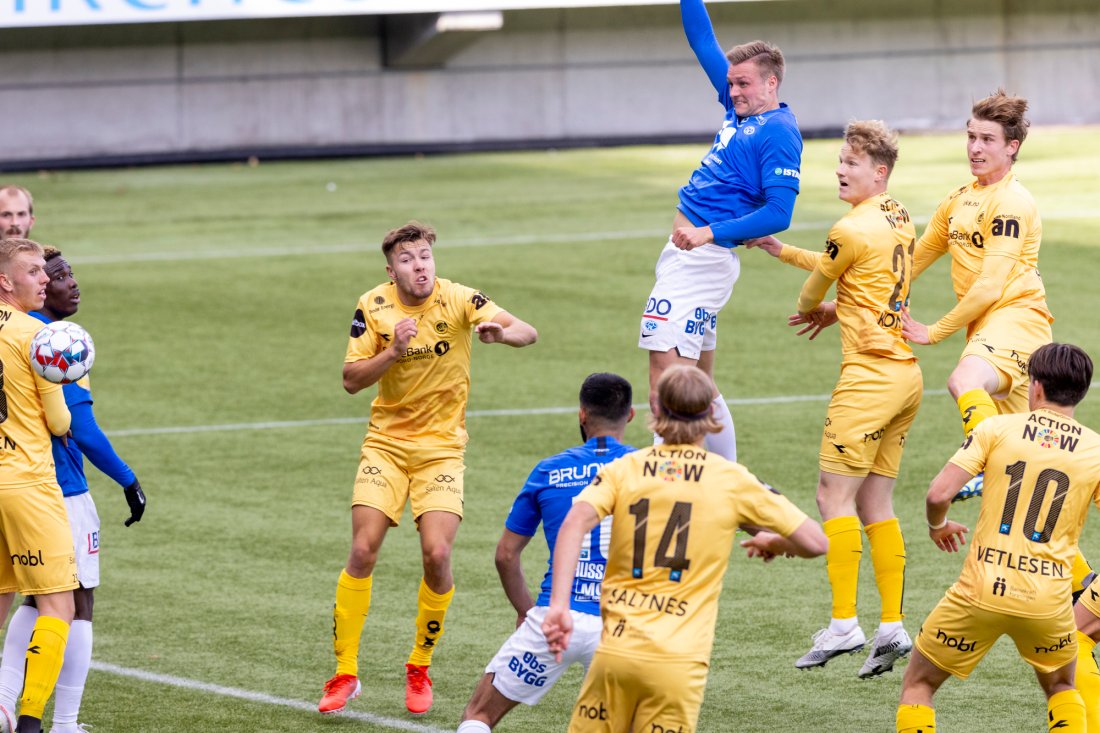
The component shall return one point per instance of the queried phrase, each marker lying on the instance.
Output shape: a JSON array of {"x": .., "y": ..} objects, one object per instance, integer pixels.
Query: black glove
[{"x": 135, "y": 497}]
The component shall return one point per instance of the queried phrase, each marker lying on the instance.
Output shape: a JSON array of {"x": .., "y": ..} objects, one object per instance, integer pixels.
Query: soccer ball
[{"x": 62, "y": 352}]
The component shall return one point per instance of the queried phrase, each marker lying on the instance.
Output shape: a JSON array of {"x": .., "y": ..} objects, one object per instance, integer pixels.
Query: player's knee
[
  {"x": 437, "y": 559},
  {"x": 361, "y": 560}
]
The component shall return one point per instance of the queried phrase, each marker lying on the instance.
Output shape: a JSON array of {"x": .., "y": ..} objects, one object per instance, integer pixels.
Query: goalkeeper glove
[{"x": 135, "y": 497}]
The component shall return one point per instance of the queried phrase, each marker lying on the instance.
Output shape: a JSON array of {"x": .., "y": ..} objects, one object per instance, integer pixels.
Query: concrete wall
[{"x": 556, "y": 75}]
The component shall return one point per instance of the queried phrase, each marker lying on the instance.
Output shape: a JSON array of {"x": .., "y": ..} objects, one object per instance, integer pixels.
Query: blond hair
[
  {"x": 684, "y": 396},
  {"x": 1008, "y": 112},
  {"x": 768, "y": 58},
  {"x": 874, "y": 138},
  {"x": 10, "y": 248},
  {"x": 414, "y": 231}
]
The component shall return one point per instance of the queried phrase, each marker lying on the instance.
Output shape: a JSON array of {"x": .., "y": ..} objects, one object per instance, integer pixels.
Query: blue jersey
[
  {"x": 749, "y": 155},
  {"x": 548, "y": 496},
  {"x": 87, "y": 439}
]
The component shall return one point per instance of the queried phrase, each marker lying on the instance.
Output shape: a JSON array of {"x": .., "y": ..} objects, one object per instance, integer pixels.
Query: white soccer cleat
[
  {"x": 73, "y": 728},
  {"x": 886, "y": 648},
  {"x": 828, "y": 644}
]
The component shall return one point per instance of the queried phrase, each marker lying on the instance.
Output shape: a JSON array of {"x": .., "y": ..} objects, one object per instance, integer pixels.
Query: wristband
[{"x": 941, "y": 525}]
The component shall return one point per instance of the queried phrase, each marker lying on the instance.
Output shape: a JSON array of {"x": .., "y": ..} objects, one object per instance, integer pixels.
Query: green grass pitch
[{"x": 221, "y": 296}]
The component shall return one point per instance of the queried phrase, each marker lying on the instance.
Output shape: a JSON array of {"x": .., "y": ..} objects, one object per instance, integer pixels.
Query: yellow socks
[
  {"x": 1088, "y": 680},
  {"x": 916, "y": 719},
  {"x": 975, "y": 406},
  {"x": 348, "y": 615},
  {"x": 842, "y": 563},
  {"x": 1066, "y": 712},
  {"x": 888, "y": 556},
  {"x": 431, "y": 610},
  {"x": 45, "y": 653}
]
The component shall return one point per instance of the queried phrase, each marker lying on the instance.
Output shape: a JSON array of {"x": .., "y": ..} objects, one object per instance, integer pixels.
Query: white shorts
[
  {"x": 682, "y": 310},
  {"x": 524, "y": 667},
  {"x": 84, "y": 521}
]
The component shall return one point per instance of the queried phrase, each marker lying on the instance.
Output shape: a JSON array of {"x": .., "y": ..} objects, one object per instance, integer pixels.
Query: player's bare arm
[
  {"x": 769, "y": 244},
  {"x": 358, "y": 375},
  {"x": 948, "y": 535},
  {"x": 510, "y": 570},
  {"x": 558, "y": 624},
  {"x": 507, "y": 329},
  {"x": 807, "y": 541}
]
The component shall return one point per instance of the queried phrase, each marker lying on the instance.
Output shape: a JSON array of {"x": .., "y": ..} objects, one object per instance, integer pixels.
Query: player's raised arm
[
  {"x": 504, "y": 328},
  {"x": 700, "y": 36}
]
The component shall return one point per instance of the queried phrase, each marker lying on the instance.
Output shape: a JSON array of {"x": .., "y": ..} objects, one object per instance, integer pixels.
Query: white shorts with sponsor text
[
  {"x": 84, "y": 520},
  {"x": 525, "y": 668},
  {"x": 691, "y": 287}
]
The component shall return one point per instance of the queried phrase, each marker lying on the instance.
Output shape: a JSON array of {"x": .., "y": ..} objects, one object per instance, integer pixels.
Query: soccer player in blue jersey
[
  {"x": 524, "y": 669},
  {"x": 62, "y": 301},
  {"x": 745, "y": 187}
]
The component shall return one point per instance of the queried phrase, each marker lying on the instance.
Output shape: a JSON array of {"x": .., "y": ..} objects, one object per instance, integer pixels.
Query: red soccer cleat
[
  {"x": 418, "y": 689},
  {"x": 338, "y": 691}
]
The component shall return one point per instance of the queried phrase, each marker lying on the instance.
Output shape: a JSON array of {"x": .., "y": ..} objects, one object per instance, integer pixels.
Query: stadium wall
[{"x": 316, "y": 86}]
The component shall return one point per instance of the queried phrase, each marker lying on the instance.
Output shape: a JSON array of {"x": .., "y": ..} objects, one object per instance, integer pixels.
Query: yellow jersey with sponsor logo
[
  {"x": 869, "y": 254},
  {"x": 26, "y": 455},
  {"x": 975, "y": 222},
  {"x": 422, "y": 396},
  {"x": 1042, "y": 469},
  {"x": 674, "y": 512}
]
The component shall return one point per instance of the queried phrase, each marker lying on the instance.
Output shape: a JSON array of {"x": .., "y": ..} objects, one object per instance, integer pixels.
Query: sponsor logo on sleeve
[{"x": 358, "y": 324}]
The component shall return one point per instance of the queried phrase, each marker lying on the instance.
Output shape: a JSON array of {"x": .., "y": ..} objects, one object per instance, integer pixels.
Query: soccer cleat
[
  {"x": 74, "y": 728},
  {"x": 338, "y": 691},
  {"x": 418, "y": 689},
  {"x": 7, "y": 722},
  {"x": 886, "y": 648},
  {"x": 828, "y": 644},
  {"x": 970, "y": 489}
]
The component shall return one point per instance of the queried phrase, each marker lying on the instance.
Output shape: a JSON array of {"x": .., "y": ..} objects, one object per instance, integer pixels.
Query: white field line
[
  {"x": 258, "y": 697},
  {"x": 558, "y": 238},
  {"x": 284, "y": 424}
]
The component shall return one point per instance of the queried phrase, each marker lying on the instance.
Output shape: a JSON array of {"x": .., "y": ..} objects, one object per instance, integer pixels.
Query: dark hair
[
  {"x": 768, "y": 59},
  {"x": 414, "y": 231},
  {"x": 606, "y": 397},
  {"x": 1008, "y": 112},
  {"x": 1064, "y": 371}
]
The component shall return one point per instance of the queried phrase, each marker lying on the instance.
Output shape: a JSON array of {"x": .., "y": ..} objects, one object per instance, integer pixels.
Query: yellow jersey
[
  {"x": 976, "y": 223},
  {"x": 422, "y": 396},
  {"x": 675, "y": 509},
  {"x": 1042, "y": 469},
  {"x": 26, "y": 455},
  {"x": 869, "y": 254}
]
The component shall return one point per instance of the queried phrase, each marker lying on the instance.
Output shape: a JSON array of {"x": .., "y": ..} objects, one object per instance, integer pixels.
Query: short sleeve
[
  {"x": 362, "y": 342},
  {"x": 525, "y": 515},
  {"x": 974, "y": 452}
]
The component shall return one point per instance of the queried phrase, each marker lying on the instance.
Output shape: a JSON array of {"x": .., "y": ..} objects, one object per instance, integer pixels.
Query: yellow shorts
[
  {"x": 35, "y": 541},
  {"x": 1090, "y": 599},
  {"x": 622, "y": 694},
  {"x": 873, "y": 406},
  {"x": 957, "y": 634},
  {"x": 1005, "y": 341},
  {"x": 391, "y": 474}
]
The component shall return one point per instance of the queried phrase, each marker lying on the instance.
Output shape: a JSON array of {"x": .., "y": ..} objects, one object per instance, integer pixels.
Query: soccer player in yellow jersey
[
  {"x": 675, "y": 510},
  {"x": 35, "y": 540},
  {"x": 868, "y": 254},
  {"x": 992, "y": 230},
  {"x": 1042, "y": 470},
  {"x": 411, "y": 336}
]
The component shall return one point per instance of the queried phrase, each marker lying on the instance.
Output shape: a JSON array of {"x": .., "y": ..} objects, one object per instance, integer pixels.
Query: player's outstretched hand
[
  {"x": 688, "y": 238},
  {"x": 815, "y": 321},
  {"x": 762, "y": 545},
  {"x": 403, "y": 332},
  {"x": 950, "y": 537},
  {"x": 490, "y": 332},
  {"x": 913, "y": 330},
  {"x": 769, "y": 244},
  {"x": 557, "y": 625},
  {"x": 135, "y": 497}
]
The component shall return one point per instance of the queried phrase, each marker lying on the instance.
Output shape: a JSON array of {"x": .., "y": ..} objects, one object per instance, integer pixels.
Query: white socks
[
  {"x": 15, "y": 655},
  {"x": 472, "y": 726},
  {"x": 74, "y": 674},
  {"x": 725, "y": 442}
]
